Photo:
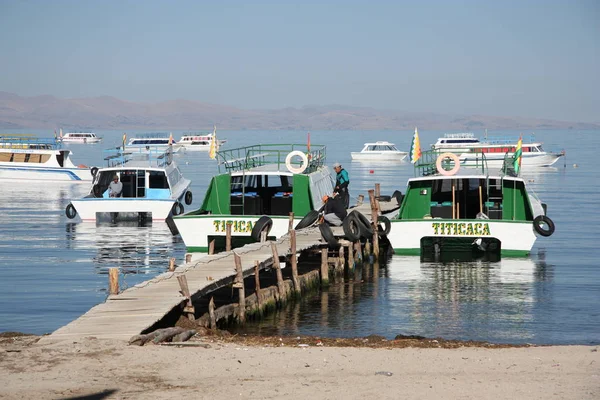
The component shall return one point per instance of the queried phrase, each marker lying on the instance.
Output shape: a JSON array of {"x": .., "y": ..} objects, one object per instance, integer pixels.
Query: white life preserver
[
  {"x": 441, "y": 158},
  {"x": 290, "y": 166}
]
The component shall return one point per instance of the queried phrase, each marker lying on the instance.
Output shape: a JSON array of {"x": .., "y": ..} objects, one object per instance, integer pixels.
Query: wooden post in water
[
  {"x": 188, "y": 309},
  {"x": 113, "y": 280},
  {"x": 367, "y": 252},
  {"x": 211, "y": 247},
  {"x": 257, "y": 284},
  {"x": 361, "y": 198},
  {"x": 280, "y": 287},
  {"x": 188, "y": 258},
  {"x": 359, "y": 251},
  {"x": 291, "y": 221},
  {"x": 351, "y": 256},
  {"x": 293, "y": 260},
  {"x": 341, "y": 262},
  {"x": 263, "y": 236},
  {"x": 324, "y": 267},
  {"x": 374, "y": 224},
  {"x": 377, "y": 190},
  {"x": 228, "y": 237},
  {"x": 171, "y": 264},
  {"x": 239, "y": 283},
  {"x": 211, "y": 313}
]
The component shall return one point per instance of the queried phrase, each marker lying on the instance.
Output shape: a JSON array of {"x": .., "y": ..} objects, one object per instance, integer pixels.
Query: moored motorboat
[
  {"x": 197, "y": 142},
  {"x": 470, "y": 150},
  {"x": 153, "y": 187},
  {"x": 27, "y": 157},
  {"x": 379, "y": 151},
  {"x": 151, "y": 141},
  {"x": 449, "y": 209},
  {"x": 256, "y": 190}
]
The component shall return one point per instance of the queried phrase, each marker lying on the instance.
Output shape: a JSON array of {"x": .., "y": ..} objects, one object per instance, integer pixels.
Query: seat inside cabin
[{"x": 261, "y": 195}]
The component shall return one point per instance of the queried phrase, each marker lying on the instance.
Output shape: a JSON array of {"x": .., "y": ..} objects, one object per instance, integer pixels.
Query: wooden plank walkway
[{"x": 137, "y": 308}]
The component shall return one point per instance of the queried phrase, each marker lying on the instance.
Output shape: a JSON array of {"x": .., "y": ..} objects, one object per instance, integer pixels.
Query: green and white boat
[
  {"x": 258, "y": 188},
  {"x": 451, "y": 209}
]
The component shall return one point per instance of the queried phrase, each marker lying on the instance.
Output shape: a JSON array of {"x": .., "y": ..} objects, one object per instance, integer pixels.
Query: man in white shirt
[{"x": 115, "y": 188}]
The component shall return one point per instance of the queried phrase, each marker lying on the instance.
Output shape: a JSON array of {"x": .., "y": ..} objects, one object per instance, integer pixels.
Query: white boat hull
[
  {"x": 41, "y": 173},
  {"x": 195, "y": 229},
  {"x": 516, "y": 237},
  {"x": 379, "y": 156},
  {"x": 88, "y": 209},
  {"x": 496, "y": 161}
]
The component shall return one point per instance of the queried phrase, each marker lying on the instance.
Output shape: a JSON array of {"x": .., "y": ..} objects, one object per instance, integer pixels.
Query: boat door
[{"x": 134, "y": 183}]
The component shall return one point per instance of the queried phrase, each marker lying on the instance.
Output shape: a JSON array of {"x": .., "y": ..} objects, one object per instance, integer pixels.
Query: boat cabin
[{"x": 379, "y": 146}]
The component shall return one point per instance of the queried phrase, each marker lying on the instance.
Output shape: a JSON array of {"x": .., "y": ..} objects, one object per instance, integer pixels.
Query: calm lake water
[{"x": 54, "y": 270}]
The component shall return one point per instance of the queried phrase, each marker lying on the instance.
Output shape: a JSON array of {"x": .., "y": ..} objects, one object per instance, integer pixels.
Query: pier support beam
[
  {"x": 257, "y": 285},
  {"x": 374, "y": 223},
  {"x": 113, "y": 280},
  {"x": 280, "y": 285},
  {"x": 293, "y": 259},
  {"x": 239, "y": 284},
  {"x": 188, "y": 309},
  {"x": 324, "y": 267},
  {"x": 228, "y": 237}
]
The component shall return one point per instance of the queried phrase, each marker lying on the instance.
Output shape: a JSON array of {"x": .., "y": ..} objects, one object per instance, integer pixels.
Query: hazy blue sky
[{"x": 514, "y": 58}]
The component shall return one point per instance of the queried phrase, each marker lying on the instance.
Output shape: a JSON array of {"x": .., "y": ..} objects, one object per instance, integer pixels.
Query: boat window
[{"x": 157, "y": 180}]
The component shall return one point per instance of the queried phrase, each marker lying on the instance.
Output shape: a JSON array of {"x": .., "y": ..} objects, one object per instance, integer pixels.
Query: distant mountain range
[{"x": 49, "y": 112}]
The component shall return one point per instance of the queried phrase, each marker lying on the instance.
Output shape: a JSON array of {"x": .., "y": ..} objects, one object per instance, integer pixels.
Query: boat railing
[
  {"x": 27, "y": 141},
  {"x": 151, "y": 157},
  {"x": 244, "y": 158},
  {"x": 508, "y": 140},
  {"x": 426, "y": 165}
]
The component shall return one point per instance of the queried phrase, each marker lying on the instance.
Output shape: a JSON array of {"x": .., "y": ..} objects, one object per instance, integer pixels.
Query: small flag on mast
[
  {"x": 170, "y": 138},
  {"x": 415, "y": 148},
  {"x": 124, "y": 139},
  {"x": 518, "y": 155}
]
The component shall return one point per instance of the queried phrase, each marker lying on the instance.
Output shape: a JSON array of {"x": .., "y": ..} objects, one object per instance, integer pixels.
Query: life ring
[
  {"x": 441, "y": 158},
  {"x": 290, "y": 167},
  {"x": 70, "y": 211},
  {"x": 94, "y": 171},
  {"x": 188, "y": 197},
  {"x": 543, "y": 220}
]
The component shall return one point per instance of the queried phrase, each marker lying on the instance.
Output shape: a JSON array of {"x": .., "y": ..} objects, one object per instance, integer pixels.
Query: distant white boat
[
  {"x": 196, "y": 142},
  {"x": 150, "y": 141},
  {"x": 379, "y": 151},
  {"x": 27, "y": 157},
  {"x": 79, "y": 137}
]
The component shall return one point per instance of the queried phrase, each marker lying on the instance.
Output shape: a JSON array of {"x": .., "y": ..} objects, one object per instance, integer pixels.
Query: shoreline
[{"x": 214, "y": 366}]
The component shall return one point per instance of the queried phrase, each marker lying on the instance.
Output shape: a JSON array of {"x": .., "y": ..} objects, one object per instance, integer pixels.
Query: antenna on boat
[{"x": 485, "y": 135}]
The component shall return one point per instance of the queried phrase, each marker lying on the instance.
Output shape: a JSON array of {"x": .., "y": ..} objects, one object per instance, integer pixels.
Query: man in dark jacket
[
  {"x": 334, "y": 212},
  {"x": 341, "y": 184}
]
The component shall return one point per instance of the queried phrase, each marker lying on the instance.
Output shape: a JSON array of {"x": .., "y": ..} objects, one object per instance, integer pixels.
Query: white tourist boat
[
  {"x": 447, "y": 209},
  {"x": 197, "y": 142},
  {"x": 151, "y": 141},
  {"x": 255, "y": 192},
  {"x": 153, "y": 187},
  {"x": 471, "y": 150},
  {"x": 27, "y": 157},
  {"x": 79, "y": 137},
  {"x": 379, "y": 151}
]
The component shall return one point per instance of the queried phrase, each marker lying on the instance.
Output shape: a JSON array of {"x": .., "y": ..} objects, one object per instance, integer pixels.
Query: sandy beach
[{"x": 295, "y": 368}]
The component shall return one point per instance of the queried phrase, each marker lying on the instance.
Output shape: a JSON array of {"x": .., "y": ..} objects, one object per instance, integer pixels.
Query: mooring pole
[
  {"x": 294, "y": 261},
  {"x": 374, "y": 224},
  {"x": 239, "y": 283},
  {"x": 113, "y": 280},
  {"x": 324, "y": 267},
  {"x": 228, "y": 237}
]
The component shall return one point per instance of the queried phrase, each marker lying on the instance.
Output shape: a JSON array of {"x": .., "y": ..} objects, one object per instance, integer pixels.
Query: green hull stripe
[{"x": 197, "y": 249}]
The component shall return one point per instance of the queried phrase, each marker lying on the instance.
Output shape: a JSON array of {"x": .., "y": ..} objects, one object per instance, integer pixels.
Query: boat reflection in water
[
  {"x": 500, "y": 302},
  {"x": 133, "y": 247}
]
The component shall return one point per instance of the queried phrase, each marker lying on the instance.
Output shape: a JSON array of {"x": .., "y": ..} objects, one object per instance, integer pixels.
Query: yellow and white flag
[
  {"x": 212, "y": 153},
  {"x": 124, "y": 139}
]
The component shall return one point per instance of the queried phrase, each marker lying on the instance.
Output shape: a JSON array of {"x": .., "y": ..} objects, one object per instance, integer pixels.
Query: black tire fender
[
  {"x": 264, "y": 224},
  {"x": 327, "y": 234},
  {"x": 177, "y": 208},
  {"x": 352, "y": 228},
  {"x": 366, "y": 229},
  {"x": 188, "y": 197},
  {"x": 70, "y": 211},
  {"x": 387, "y": 225},
  {"x": 172, "y": 226},
  {"x": 309, "y": 219},
  {"x": 94, "y": 171},
  {"x": 543, "y": 220}
]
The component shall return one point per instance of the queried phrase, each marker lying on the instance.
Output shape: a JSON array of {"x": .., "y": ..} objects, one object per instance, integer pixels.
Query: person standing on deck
[
  {"x": 341, "y": 184},
  {"x": 115, "y": 188}
]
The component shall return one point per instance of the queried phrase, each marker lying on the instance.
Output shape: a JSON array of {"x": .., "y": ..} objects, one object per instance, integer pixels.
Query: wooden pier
[{"x": 139, "y": 308}]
